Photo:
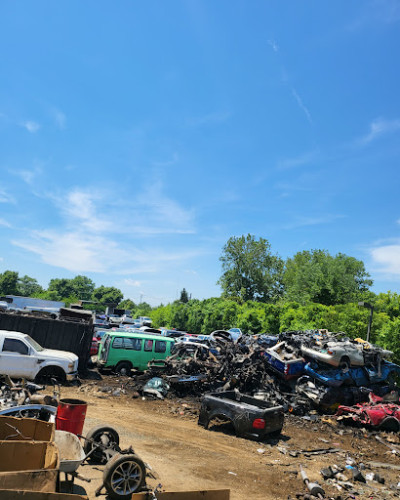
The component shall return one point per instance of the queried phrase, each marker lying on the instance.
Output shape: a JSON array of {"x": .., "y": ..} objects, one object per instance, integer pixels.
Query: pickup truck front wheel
[{"x": 48, "y": 373}]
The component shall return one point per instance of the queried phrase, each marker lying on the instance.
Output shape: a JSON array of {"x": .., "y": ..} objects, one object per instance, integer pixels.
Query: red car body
[{"x": 385, "y": 416}]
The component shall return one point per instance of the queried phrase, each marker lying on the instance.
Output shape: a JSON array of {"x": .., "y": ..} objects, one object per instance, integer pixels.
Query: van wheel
[
  {"x": 123, "y": 368},
  {"x": 48, "y": 373}
]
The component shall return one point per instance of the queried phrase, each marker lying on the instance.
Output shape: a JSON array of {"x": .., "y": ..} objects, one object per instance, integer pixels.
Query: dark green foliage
[
  {"x": 184, "y": 296},
  {"x": 28, "y": 286},
  {"x": 9, "y": 283},
  {"x": 143, "y": 309},
  {"x": 61, "y": 286},
  {"x": 250, "y": 271},
  {"x": 107, "y": 295},
  {"x": 80, "y": 287},
  {"x": 129, "y": 305},
  {"x": 316, "y": 276}
]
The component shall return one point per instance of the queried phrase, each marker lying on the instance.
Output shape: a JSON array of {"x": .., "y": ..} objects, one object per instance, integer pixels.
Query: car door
[{"x": 15, "y": 359}]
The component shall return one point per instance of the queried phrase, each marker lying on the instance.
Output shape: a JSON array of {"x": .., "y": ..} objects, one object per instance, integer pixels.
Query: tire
[
  {"x": 124, "y": 475},
  {"x": 123, "y": 368},
  {"x": 107, "y": 436},
  {"x": 344, "y": 363},
  {"x": 48, "y": 373},
  {"x": 390, "y": 424}
]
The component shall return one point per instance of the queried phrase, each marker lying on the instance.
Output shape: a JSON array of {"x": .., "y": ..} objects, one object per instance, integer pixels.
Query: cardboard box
[
  {"x": 25, "y": 429},
  {"x": 33, "y": 464},
  {"x": 28, "y": 455}
]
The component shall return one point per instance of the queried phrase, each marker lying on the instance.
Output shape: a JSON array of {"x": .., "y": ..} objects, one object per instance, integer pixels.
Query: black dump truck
[{"x": 252, "y": 418}]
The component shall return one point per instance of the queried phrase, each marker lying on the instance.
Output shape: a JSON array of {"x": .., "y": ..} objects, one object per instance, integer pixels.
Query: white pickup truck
[{"x": 23, "y": 357}]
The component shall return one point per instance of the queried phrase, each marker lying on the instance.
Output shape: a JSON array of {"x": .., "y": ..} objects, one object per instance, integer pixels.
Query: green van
[{"x": 122, "y": 351}]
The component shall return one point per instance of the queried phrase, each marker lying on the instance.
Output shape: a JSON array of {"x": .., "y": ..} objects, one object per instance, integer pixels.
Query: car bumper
[{"x": 72, "y": 376}]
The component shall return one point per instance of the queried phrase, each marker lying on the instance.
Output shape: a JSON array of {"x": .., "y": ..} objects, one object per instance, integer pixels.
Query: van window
[
  {"x": 161, "y": 346},
  {"x": 118, "y": 342},
  {"x": 14, "y": 345},
  {"x": 133, "y": 344},
  {"x": 148, "y": 345}
]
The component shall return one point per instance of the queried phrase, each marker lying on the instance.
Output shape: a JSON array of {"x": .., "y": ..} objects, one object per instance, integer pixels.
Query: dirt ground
[{"x": 185, "y": 456}]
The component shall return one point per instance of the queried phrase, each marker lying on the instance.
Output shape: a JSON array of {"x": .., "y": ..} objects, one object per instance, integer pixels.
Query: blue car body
[{"x": 359, "y": 376}]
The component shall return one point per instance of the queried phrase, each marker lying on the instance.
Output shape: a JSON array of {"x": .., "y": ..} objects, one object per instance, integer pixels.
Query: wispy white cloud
[
  {"x": 296, "y": 161},
  {"x": 28, "y": 176},
  {"x": 301, "y": 221},
  {"x": 375, "y": 12},
  {"x": 156, "y": 213},
  {"x": 85, "y": 207},
  {"x": 131, "y": 282},
  {"x": 151, "y": 212},
  {"x": 99, "y": 232},
  {"x": 6, "y": 197},
  {"x": 4, "y": 223},
  {"x": 191, "y": 271},
  {"x": 75, "y": 251},
  {"x": 387, "y": 259},
  {"x": 273, "y": 45},
  {"x": 301, "y": 104},
  {"x": 288, "y": 187},
  {"x": 59, "y": 118},
  {"x": 209, "y": 119},
  {"x": 30, "y": 126},
  {"x": 167, "y": 163},
  {"x": 380, "y": 127}
]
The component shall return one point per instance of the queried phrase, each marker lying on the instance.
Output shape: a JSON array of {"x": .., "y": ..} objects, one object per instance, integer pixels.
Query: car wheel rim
[{"x": 126, "y": 478}]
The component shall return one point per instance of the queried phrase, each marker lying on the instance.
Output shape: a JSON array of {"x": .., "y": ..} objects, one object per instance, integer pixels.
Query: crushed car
[{"x": 376, "y": 414}]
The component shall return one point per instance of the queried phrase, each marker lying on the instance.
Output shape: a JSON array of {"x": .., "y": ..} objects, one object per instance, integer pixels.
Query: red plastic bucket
[{"x": 71, "y": 415}]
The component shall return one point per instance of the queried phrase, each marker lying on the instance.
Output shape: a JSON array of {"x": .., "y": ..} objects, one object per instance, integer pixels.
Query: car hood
[{"x": 61, "y": 355}]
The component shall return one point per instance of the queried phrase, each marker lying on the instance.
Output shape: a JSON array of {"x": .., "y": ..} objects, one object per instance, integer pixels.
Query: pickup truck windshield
[{"x": 34, "y": 344}]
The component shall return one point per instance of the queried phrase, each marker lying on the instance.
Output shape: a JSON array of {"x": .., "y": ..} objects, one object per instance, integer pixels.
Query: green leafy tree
[
  {"x": 82, "y": 287},
  {"x": 105, "y": 295},
  {"x": 250, "y": 271},
  {"x": 390, "y": 337},
  {"x": 143, "y": 309},
  {"x": 49, "y": 295},
  {"x": 9, "y": 283},
  {"x": 62, "y": 286},
  {"x": 29, "y": 287},
  {"x": 184, "y": 296},
  {"x": 317, "y": 276},
  {"x": 128, "y": 305}
]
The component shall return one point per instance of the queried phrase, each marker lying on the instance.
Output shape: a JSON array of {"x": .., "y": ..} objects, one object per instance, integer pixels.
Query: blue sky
[{"x": 137, "y": 137}]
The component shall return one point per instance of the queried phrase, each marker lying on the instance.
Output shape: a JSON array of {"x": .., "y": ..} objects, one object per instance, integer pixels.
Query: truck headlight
[{"x": 71, "y": 366}]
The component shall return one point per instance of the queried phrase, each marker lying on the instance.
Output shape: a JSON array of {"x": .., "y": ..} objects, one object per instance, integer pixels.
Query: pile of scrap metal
[
  {"x": 218, "y": 362},
  {"x": 318, "y": 362},
  {"x": 303, "y": 370},
  {"x": 350, "y": 479}
]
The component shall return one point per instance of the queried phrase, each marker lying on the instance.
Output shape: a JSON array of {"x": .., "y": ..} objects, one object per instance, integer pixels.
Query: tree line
[{"x": 261, "y": 293}]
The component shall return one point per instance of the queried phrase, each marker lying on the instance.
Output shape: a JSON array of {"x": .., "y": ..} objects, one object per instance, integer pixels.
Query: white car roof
[{"x": 12, "y": 333}]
